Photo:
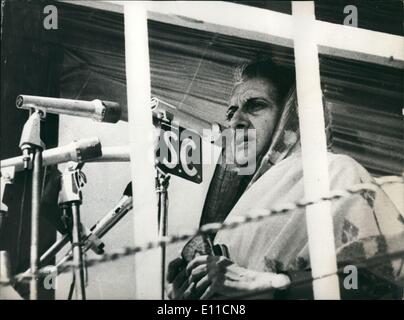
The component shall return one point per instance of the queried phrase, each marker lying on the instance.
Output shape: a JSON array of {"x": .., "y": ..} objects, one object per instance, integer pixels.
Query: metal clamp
[
  {"x": 31, "y": 136},
  {"x": 73, "y": 180}
]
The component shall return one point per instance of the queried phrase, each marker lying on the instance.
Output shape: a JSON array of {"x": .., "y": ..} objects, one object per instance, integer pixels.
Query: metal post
[
  {"x": 70, "y": 196},
  {"x": 162, "y": 190},
  {"x": 31, "y": 143},
  {"x": 147, "y": 265},
  {"x": 78, "y": 253},
  {"x": 314, "y": 152},
  {"x": 35, "y": 211}
]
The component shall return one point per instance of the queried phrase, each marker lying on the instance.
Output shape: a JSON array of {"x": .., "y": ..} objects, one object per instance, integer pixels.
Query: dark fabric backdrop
[
  {"x": 193, "y": 70},
  {"x": 31, "y": 63}
]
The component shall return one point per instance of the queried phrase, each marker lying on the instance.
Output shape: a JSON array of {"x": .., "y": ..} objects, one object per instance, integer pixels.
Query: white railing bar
[
  {"x": 147, "y": 266},
  {"x": 314, "y": 153}
]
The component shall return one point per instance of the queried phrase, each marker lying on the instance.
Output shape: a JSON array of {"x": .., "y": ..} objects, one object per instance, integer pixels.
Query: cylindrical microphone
[
  {"x": 210, "y": 131},
  {"x": 97, "y": 231},
  {"x": 104, "y": 111},
  {"x": 113, "y": 154},
  {"x": 123, "y": 206},
  {"x": 91, "y": 239},
  {"x": 108, "y": 111},
  {"x": 78, "y": 151}
]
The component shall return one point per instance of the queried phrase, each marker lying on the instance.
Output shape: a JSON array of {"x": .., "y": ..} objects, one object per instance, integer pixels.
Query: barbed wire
[
  {"x": 368, "y": 263},
  {"x": 209, "y": 229}
]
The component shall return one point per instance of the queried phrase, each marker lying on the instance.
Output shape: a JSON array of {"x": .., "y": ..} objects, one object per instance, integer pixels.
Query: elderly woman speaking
[{"x": 270, "y": 258}]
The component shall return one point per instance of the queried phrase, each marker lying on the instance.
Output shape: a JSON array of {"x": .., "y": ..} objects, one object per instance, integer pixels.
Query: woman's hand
[{"x": 210, "y": 276}]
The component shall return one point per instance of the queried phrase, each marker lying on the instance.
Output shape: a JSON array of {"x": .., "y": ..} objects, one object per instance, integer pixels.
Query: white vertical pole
[
  {"x": 147, "y": 265},
  {"x": 314, "y": 152}
]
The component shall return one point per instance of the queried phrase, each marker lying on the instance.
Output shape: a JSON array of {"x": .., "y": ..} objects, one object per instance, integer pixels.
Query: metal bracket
[
  {"x": 160, "y": 114},
  {"x": 73, "y": 180},
  {"x": 162, "y": 180},
  {"x": 31, "y": 136},
  {"x": 7, "y": 177},
  {"x": 31, "y": 133}
]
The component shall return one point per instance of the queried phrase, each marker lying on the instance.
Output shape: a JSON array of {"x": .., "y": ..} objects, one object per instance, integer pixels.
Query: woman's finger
[
  {"x": 178, "y": 286},
  {"x": 189, "y": 291},
  {"x": 196, "y": 262},
  {"x": 202, "y": 285},
  {"x": 181, "y": 291},
  {"x": 197, "y": 273},
  {"x": 208, "y": 293}
]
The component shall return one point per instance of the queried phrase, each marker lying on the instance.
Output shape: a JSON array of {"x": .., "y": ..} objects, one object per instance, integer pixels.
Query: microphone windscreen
[
  {"x": 113, "y": 112},
  {"x": 128, "y": 190},
  {"x": 88, "y": 149}
]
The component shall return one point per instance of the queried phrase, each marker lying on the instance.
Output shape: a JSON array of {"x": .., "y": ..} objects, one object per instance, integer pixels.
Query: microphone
[
  {"x": 205, "y": 129},
  {"x": 92, "y": 238},
  {"x": 78, "y": 151},
  {"x": 112, "y": 112},
  {"x": 103, "y": 111},
  {"x": 99, "y": 229},
  {"x": 123, "y": 206},
  {"x": 113, "y": 154}
]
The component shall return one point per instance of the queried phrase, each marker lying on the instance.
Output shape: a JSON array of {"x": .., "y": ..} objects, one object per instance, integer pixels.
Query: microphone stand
[
  {"x": 162, "y": 183},
  {"x": 90, "y": 238},
  {"x": 70, "y": 197},
  {"x": 31, "y": 142}
]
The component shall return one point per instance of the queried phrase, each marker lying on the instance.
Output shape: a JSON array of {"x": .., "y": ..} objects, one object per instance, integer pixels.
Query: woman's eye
[
  {"x": 230, "y": 113},
  {"x": 256, "y": 106}
]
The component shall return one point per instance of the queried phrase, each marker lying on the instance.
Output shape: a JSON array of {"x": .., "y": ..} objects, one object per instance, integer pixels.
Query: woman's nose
[{"x": 239, "y": 121}]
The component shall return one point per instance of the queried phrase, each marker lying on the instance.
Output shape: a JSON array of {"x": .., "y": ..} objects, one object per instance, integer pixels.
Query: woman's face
[{"x": 253, "y": 105}]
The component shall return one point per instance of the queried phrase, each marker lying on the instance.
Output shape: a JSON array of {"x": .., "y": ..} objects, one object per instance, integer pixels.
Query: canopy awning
[{"x": 193, "y": 69}]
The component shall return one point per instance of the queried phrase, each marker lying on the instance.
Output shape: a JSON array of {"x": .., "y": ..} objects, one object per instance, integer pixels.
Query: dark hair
[{"x": 282, "y": 78}]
